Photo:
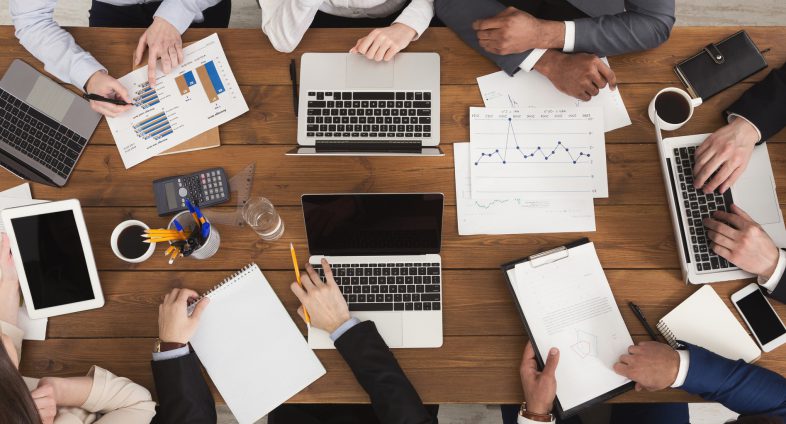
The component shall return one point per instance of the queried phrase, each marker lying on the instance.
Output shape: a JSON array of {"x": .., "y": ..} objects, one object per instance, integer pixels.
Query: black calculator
[{"x": 204, "y": 188}]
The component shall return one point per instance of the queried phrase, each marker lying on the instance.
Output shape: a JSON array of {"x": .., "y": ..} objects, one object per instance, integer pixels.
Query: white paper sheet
[
  {"x": 34, "y": 329},
  {"x": 200, "y": 94},
  {"x": 516, "y": 215},
  {"x": 569, "y": 305},
  {"x": 532, "y": 89},
  {"x": 540, "y": 152}
]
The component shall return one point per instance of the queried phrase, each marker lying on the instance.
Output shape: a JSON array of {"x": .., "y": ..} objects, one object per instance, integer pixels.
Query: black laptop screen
[{"x": 373, "y": 224}]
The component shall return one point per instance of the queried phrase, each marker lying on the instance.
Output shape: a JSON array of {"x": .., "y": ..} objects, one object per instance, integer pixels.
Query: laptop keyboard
[
  {"x": 699, "y": 206},
  {"x": 369, "y": 114},
  {"x": 388, "y": 286},
  {"x": 38, "y": 136}
]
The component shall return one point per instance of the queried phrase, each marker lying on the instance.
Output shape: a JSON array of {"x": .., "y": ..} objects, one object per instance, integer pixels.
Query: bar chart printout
[
  {"x": 200, "y": 94},
  {"x": 537, "y": 153}
]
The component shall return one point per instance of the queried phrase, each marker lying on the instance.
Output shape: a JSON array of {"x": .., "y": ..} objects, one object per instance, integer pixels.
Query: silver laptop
[
  {"x": 351, "y": 106},
  {"x": 44, "y": 127},
  {"x": 754, "y": 192},
  {"x": 384, "y": 254}
]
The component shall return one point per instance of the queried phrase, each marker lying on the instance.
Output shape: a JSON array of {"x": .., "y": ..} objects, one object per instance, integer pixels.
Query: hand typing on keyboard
[
  {"x": 740, "y": 240},
  {"x": 385, "y": 43},
  {"x": 323, "y": 300},
  {"x": 724, "y": 155}
]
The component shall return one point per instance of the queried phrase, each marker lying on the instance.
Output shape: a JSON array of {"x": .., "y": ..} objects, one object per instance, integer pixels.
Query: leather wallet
[{"x": 720, "y": 65}]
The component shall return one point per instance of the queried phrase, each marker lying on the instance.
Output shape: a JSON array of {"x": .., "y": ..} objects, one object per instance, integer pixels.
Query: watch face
[{"x": 157, "y": 346}]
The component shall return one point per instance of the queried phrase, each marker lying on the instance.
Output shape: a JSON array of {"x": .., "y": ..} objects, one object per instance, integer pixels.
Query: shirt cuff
[
  {"x": 522, "y": 420},
  {"x": 414, "y": 21},
  {"x": 533, "y": 58},
  {"x": 682, "y": 372},
  {"x": 344, "y": 328},
  {"x": 733, "y": 116},
  {"x": 570, "y": 37},
  {"x": 83, "y": 70},
  {"x": 772, "y": 283},
  {"x": 171, "y": 354},
  {"x": 176, "y": 14}
]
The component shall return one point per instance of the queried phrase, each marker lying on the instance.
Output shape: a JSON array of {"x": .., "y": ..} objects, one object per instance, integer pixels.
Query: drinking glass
[{"x": 263, "y": 218}]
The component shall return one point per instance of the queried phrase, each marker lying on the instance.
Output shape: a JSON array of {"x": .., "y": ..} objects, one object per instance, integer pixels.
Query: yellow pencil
[
  {"x": 169, "y": 250},
  {"x": 297, "y": 276},
  {"x": 174, "y": 255}
]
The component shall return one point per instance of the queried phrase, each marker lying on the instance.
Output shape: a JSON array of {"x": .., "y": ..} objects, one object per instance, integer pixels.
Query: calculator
[{"x": 204, "y": 188}]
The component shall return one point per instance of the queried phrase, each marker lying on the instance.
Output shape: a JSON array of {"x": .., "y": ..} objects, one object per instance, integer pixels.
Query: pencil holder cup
[{"x": 211, "y": 244}]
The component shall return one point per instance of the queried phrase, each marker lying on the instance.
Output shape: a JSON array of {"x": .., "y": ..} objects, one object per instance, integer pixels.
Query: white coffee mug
[
  {"x": 116, "y": 233},
  {"x": 668, "y": 126}
]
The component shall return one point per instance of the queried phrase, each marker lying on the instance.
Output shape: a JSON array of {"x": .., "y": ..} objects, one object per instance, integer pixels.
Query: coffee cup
[
  {"x": 673, "y": 107},
  {"x": 128, "y": 244}
]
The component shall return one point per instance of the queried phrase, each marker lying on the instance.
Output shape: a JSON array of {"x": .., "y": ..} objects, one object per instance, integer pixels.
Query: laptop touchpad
[
  {"x": 389, "y": 324},
  {"x": 50, "y": 98},
  {"x": 364, "y": 73},
  {"x": 754, "y": 192}
]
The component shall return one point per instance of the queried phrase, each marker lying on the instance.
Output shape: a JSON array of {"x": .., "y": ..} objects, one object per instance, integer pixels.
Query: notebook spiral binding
[
  {"x": 223, "y": 283},
  {"x": 671, "y": 339}
]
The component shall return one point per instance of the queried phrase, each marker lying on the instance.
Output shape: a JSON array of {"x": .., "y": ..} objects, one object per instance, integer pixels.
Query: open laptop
[
  {"x": 384, "y": 253},
  {"x": 754, "y": 192},
  {"x": 44, "y": 127},
  {"x": 352, "y": 106}
]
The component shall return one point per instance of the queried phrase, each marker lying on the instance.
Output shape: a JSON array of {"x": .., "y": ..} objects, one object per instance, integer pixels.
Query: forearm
[
  {"x": 181, "y": 13},
  {"x": 9, "y": 302},
  {"x": 70, "y": 391},
  {"x": 417, "y": 15},
  {"x": 285, "y": 22}
]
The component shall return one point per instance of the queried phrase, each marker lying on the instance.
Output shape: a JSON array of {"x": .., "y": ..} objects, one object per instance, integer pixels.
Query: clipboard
[{"x": 538, "y": 260}]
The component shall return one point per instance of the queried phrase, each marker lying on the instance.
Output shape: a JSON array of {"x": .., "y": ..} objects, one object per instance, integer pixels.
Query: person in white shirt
[
  {"x": 165, "y": 20},
  {"x": 285, "y": 22}
]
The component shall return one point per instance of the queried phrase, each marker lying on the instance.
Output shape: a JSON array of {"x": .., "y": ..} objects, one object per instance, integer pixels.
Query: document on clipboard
[{"x": 565, "y": 302}]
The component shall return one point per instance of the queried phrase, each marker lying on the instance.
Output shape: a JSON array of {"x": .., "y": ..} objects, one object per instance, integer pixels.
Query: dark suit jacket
[
  {"x": 764, "y": 104},
  {"x": 183, "y": 394},
  {"x": 744, "y": 388},
  {"x": 393, "y": 399}
]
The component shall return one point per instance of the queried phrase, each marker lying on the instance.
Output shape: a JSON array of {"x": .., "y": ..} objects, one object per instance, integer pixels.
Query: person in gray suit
[{"x": 562, "y": 39}]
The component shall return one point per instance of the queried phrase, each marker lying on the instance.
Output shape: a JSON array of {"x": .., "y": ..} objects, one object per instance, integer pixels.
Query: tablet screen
[{"x": 54, "y": 262}]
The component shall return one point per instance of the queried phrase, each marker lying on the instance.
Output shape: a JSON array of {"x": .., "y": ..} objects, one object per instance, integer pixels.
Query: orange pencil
[{"x": 297, "y": 276}]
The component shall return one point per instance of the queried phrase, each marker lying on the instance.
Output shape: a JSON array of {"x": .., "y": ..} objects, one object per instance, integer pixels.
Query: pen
[
  {"x": 640, "y": 316},
  {"x": 96, "y": 97},
  {"x": 297, "y": 277},
  {"x": 179, "y": 229},
  {"x": 205, "y": 230},
  {"x": 293, "y": 76},
  {"x": 201, "y": 218},
  {"x": 193, "y": 212}
]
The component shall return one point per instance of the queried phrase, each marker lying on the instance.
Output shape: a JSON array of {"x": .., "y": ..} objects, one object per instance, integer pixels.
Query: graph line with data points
[{"x": 503, "y": 156}]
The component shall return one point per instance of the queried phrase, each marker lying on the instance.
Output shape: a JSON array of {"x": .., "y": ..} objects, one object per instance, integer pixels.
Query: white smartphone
[{"x": 764, "y": 323}]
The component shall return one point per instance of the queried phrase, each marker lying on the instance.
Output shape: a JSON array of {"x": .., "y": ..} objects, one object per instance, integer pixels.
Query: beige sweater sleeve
[{"x": 118, "y": 399}]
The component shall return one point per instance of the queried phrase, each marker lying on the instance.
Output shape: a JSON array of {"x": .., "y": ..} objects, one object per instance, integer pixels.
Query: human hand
[
  {"x": 515, "y": 31},
  {"x": 580, "y": 75},
  {"x": 324, "y": 302},
  {"x": 174, "y": 324},
  {"x": 737, "y": 238},
  {"x": 44, "y": 399},
  {"x": 10, "y": 349},
  {"x": 652, "y": 365},
  {"x": 104, "y": 85},
  {"x": 726, "y": 154},
  {"x": 540, "y": 387},
  {"x": 163, "y": 40},
  {"x": 384, "y": 43}
]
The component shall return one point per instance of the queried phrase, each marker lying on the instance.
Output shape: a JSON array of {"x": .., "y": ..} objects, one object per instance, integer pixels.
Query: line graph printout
[
  {"x": 516, "y": 215},
  {"x": 199, "y": 95},
  {"x": 537, "y": 152}
]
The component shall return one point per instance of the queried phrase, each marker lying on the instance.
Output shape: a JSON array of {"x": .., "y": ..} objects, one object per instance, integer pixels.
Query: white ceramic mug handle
[{"x": 696, "y": 102}]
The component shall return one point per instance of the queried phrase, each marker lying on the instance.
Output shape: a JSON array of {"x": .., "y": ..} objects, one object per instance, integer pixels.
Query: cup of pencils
[{"x": 189, "y": 233}]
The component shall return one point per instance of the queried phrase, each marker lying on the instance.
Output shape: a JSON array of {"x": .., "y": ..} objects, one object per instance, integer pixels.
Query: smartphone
[{"x": 764, "y": 323}]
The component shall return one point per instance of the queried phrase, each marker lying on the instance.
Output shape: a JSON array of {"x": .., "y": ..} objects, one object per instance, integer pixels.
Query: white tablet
[{"x": 53, "y": 257}]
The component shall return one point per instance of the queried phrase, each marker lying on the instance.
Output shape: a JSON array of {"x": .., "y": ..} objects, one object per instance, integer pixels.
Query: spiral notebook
[
  {"x": 251, "y": 348},
  {"x": 704, "y": 320}
]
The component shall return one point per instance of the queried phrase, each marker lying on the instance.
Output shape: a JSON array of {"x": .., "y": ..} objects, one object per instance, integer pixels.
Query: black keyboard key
[
  {"x": 370, "y": 95},
  {"x": 418, "y": 306},
  {"x": 432, "y": 288},
  {"x": 370, "y": 306},
  {"x": 398, "y": 306},
  {"x": 435, "y": 306},
  {"x": 408, "y": 306},
  {"x": 431, "y": 297}
]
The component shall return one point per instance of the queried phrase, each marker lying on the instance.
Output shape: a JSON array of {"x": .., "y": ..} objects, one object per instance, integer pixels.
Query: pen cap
[{"x": 209, "y": 246}]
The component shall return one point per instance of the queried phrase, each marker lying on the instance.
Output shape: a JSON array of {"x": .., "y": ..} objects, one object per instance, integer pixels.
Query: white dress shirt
[
  {"x": 536, "y": 54},
  {"x": 38, "y": 32},
  {"x": 286, "y": 21}
]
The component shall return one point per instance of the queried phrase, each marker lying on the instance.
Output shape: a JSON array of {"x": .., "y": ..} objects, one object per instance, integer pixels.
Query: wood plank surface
[{"x": 484, "y": 336}]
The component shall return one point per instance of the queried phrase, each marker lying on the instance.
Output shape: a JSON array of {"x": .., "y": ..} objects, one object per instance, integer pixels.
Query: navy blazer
[{"x": 744, "y": 388}]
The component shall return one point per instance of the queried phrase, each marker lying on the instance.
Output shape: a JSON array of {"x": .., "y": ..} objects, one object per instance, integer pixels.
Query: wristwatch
[
  {"x": 541, "y": 418},
  {"x": 166, "y": 346}
]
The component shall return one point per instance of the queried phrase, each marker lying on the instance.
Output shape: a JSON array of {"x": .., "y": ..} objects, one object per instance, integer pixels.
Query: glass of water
[{"x": 263, "y": 218}]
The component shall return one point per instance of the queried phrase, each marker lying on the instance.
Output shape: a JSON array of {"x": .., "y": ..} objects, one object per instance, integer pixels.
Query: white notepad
[
  {"x": 251, "y": 348},
  {"x": 704, "y": 320}
]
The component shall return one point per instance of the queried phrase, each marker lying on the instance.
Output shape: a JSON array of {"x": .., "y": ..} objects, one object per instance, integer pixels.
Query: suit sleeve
[
  {"x": 393, "y": 397},
  {"x": 459, "y": 16},
  {"x": 764, "y": 104},
  {"x": 183, "y": 393},
  {"x": 645, "y": 24},
  {"x": 744, "y": 388}
]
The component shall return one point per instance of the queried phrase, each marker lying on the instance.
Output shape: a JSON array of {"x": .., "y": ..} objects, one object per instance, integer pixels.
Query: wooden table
[{"x": 483, "y": 334}]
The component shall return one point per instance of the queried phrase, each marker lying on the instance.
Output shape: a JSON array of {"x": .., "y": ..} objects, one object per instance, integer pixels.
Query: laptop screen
[{"x": 373, "y": 224}]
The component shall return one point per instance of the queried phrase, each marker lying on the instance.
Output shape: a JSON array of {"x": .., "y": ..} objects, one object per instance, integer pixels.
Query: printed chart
[
  {"x": 200, "y": 94},
  {"x": 537, "y": 152}
]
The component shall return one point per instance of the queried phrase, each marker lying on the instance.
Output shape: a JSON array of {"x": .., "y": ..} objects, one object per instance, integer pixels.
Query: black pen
[
  {"x": 293, "y": 76},
  {"x": 96, "y": 97},
  {"x": 640, "y": 316}
]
